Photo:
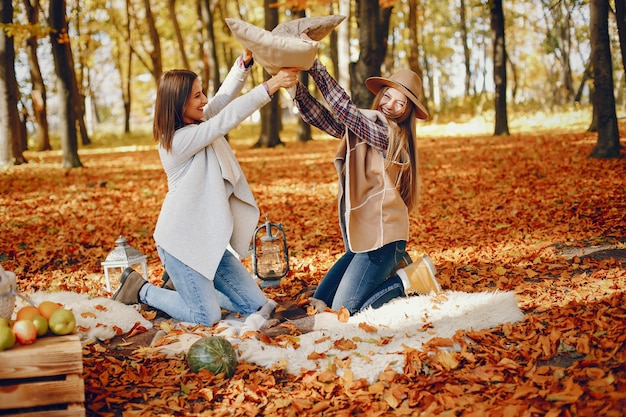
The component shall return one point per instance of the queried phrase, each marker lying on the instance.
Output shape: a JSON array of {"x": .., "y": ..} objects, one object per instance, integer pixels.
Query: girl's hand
[
  {"x": 285, "y": 78},
  {"x": 247, "y": 56}
]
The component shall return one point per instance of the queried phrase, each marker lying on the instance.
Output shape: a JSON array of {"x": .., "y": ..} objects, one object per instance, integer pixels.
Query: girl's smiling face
[
  {"x": 193, "y": 111},
  {"x": 393, "y": 102}
]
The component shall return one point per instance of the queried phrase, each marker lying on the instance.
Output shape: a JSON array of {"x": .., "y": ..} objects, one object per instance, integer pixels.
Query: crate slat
[
  {"x": 70, "y": 389},
  {"x": 43, "y": 379},
  {"x": 70, "y": 410},
  {"x": 52, "y": 355}
]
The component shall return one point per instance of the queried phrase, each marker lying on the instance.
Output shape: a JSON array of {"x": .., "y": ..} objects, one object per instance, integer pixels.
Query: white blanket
[
  {"x": 403, "y": 323},
  {"x": 97, "y": 318}
]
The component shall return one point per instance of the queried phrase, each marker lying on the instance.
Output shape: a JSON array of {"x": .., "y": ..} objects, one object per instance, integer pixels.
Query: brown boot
[
  {"x": 421, "y": 275},
  {"x": 131, "y": 282}
]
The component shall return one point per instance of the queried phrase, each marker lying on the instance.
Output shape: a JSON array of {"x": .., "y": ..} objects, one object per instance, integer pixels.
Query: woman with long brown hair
[{"x": 209, "y": 214}]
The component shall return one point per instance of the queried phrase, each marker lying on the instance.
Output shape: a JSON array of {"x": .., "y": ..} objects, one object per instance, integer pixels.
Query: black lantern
[{"x": 270, "y": 256}]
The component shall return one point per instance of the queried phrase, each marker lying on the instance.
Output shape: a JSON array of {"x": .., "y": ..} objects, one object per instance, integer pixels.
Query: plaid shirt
[{"x": 343, "y": 113}]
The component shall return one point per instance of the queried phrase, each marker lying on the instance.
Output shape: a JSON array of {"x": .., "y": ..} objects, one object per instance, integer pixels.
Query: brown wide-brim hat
[{"x": 406, "y": 81}]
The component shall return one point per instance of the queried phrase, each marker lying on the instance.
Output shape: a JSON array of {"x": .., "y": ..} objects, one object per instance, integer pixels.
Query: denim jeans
[
  {"x": 198, "y": 299},
  {"x": 359, "y": 280}
]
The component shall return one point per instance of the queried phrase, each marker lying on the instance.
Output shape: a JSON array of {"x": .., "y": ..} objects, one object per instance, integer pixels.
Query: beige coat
[{"x": 371, "y": 210}]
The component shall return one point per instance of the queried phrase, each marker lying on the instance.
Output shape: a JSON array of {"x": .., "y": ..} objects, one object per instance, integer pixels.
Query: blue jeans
[
  {"x": 198, "y": 299},
  {"x": 359, "y": 280}
]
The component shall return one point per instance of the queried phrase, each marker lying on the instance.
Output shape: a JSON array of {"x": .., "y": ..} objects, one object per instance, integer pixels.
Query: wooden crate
[{"x": 43, "y": 379}]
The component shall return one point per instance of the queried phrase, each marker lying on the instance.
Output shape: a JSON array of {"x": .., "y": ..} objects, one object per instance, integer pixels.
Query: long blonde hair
[{"x": 402, "y": 151}]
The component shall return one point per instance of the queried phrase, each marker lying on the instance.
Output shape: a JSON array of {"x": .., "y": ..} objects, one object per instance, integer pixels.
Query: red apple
[
  {"x": 25, "y": 331},
  {"x": 62, "y": 322}
]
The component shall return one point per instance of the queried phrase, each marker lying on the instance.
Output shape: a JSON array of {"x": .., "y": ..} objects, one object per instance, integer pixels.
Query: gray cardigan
[{"x": 209, "y": 204}]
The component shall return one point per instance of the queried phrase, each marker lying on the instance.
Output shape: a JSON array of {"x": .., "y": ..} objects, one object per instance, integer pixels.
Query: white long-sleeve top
[{"x": 209, "y": 204}]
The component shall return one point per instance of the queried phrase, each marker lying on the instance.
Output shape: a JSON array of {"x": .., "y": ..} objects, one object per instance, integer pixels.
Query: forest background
[
  {"x": 508, "y": 203},
  {"x": 87, "y": 70}
]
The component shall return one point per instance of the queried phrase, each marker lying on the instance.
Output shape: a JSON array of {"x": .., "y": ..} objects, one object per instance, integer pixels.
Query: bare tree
[
  {"x": 208, "y": 51},
  {"x": 66, "y": 81},
  {"x": 78, "y": 80},
  {"x": 558, "y": 21},
  {"x": 123, "y": 55},
  {"x": 607, "y": 145},
  {"x": 466, "y": 48},
  {"x": 620, "y": 17},
  {"x": 270, "y": 113},
  {"x": 343, "y": 45},
  {"x": 38, "y": 92},
  {"x": 171, "y": 5},
  {"x": 373, "y": 22},
  {"x": 414, "y": 62},
  {"x": 10, "y": 140},
  {"x": 303, "y": 132},
  {"x": 499, "y": 66},
  {"x": 154, "y": 63}
]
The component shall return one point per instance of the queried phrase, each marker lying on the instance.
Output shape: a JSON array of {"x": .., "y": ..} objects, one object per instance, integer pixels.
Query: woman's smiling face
[
  {"x": 193, "y": 111},
  {"x": 393, "y": 102}
]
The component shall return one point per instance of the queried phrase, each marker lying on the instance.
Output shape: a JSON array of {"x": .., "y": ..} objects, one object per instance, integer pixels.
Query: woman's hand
[
  {"x": 247, "y": 57},
  {"x": 285, "y": 78}
]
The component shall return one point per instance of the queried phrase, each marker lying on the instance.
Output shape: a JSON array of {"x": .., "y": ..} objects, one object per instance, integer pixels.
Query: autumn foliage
[{"x": 512, "y": 213}]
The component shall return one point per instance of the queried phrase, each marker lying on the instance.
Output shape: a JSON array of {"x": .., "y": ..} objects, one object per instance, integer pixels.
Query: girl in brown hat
[{"x": 378, "y": 186}]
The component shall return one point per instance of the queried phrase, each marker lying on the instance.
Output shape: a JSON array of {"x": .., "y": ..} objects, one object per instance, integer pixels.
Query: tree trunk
[
  {"x": 607, "y": 145},
  {"x": 78, "y": 97},
  {"x": 10, "y": 141},
  {"x": 343, "y": 46},
  {"x": 126, "y": 84},
  {"x": 79, "y": 112},
  {"x": 38, "y": 92},
  {"x": 171, "y": 4},
  {"x": 514, "y": 74},
  {"x": 373, "y": 23},
  {"x": 212, "y": 57},
  {"x": 586, "y": 76},
  {"x": 413, "y": 56},
  {"x": 466, "y": 49},
  {"x": 270, "y": 113},
  {"x": 620, "y": 17},
  {"x": 303, "y": 131},
  {"x": 155, "y": 52},
  {"x": 65, "y": 77},
  {"x": 499, "y": 67},
  {"x": 567, "y": 81},
  {"x": 203, "y": 56}
]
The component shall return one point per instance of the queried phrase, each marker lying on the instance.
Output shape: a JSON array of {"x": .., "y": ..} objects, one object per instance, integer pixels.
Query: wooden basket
[
  {"x": 7, "y": 293},
  {"x": 44, "y": 379}
]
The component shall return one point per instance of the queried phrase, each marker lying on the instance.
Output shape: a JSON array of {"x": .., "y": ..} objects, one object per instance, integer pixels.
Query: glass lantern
[
  {"x": 270, "y": 256},
  {"x": 120, "y": 258}
]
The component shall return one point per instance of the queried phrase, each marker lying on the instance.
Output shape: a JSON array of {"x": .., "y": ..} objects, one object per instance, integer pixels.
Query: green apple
[
  {"x": 25, "y": 331},
  {"x": 41, "y": 324},
  {"x": 4, "y": 322},
  {"x": 62, "y": 322},
  {"x": 7, "y": 338}
]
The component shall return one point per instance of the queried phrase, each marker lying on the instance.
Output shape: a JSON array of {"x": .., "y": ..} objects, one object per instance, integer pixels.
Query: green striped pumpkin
[{"x": 214, "y": 353}]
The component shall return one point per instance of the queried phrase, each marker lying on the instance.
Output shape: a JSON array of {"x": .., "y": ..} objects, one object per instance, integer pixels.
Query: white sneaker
[{"x": 420, "y": 275}]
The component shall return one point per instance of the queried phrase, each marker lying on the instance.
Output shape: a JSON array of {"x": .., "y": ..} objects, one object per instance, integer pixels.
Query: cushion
[
  {"x": 316, "y": 28},
  {"x": 290, "y": 44}
]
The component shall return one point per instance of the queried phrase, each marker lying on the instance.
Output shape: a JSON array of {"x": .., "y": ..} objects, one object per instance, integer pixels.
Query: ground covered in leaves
[{"x": 529, "y": 213}]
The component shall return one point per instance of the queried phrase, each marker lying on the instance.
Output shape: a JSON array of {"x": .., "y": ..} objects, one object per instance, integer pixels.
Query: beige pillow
[
  {"x": 316, "y": 28},
  {"x": 290, "y": 44}
]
